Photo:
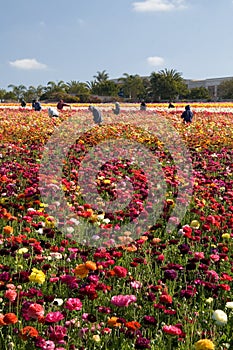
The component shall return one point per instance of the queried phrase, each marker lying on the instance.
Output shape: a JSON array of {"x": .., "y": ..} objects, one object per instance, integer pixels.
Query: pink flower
[
  {"x": 212, "y": 275},
  {"x": 73, "y": 304},
  {"x": 35, "y": 310},
  {"x": 214, "y": 257},
  {"x": 123, "y": 300},
  {"x": 10, "y": 294},
  {"x": 173, "y": 330},
  {"x": 136, "y": 284},
  {"x": 53, "y": 317},
  {"x": 199, "y": 255}
]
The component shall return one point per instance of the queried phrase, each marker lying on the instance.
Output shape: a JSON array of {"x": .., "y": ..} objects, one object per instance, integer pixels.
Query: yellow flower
[
  {"x": 107, "y": 181},
  {"x": 226, "y": 236},
  {"x": 204, "y": 344},
  {"x": 22, "y": 250},
  {"x": 37, "y": 276},
  {"x": 50, "y": 222},
  {"x": 195, "y": 224},
  {"x": 96, "y": 338}
]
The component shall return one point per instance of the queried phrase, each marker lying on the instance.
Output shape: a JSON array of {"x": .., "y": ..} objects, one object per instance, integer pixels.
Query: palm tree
[
  {"x": 167, "y": 84},
  {"x": 18, "y": 91},
  {"x": 56, "y": 87},
  {"x": 101, "y": 76},
  {"x": 77, "y": 87}
]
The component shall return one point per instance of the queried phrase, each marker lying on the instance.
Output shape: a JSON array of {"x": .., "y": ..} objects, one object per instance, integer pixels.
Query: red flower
[
  {"x": 120, "y": 271},
  {"x": 165, "y": 298}
]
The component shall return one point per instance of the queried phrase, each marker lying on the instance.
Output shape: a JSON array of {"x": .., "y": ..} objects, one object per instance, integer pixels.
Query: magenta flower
[
  {"x": 53, "y": 317},
  {"x": 123, "y": 300},
  {"x": 73, "y": 304},
  {"x": 57, "y": 333}
]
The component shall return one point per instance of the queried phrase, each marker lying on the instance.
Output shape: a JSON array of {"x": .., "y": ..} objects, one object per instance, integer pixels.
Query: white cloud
[
  {"x": 155, "y": 61},
  {"x": 158, "y": 5},
  {"x": 28, "y": 64}
]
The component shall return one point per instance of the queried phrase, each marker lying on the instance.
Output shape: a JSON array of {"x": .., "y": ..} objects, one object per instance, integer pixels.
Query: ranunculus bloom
[
  {"x": 195, "y": 224},
  {"x": 35, "y": 310},
  {"x": 123, "y": 300},
  {"x": 53, "y": 317},
  {"x": 173, "y": 330},
  {"x": 229, "y": 304},
  {"x": 10, "y": 294},
  {"x": 165, "y": 298},
  {"x": 57, "y": 333},
  {"x": 7, "y": 230},
  {"x": 204, "y": 344},
  {"x": 81, "y": 271},
  {"x": 73, "y": 304},
  {"x": 28, "y": 332},
  {"x": 10, "y": 318},
  {"x": 220, "y": 317},
  {"x": 37, "y": 276},
  {"x": 120, "y": 271},
  {"x": 113, "y": 322},
  {"x": 90, "y": 265}
]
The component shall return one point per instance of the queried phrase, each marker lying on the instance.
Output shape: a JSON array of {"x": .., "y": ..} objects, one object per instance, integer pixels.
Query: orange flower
[
  {"x": 8, "y": 230},
  {"x": 133, "y": 325},
  {"x": 112, "y": 322},
  {"x": 10, "y": 318},
  {"x": 110, "y": 273},
  {"x": 81, "y": 271},
  {"x": 130, "y": 249},
  {"x": 28, "y": 332},
  {"x": 90, "y": 265}
]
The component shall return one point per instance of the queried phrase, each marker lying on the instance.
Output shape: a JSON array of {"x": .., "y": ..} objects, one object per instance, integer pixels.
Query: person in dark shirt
[
  {"x": 187, "y": 115},
  {"x": 37, "y": 106},
  {"x": 143, "y": 106},
  {"x": 171, "y": 105},
  {"x": 62, "y": 104},
  {"x": 23, "y": 103}
]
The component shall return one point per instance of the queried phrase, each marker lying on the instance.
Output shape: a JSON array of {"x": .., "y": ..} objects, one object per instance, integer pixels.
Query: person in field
[
  {"x": 187, "y": 115},
  {"x": 62, "y": 104},
  {"x": 97, "y": 116},
  {"x": 52, "y": 112},
  {"x": 37, "y": 106},
  {"x": 117, "y": 109},
  {"x": 23, "y": 103},
  {"x": 143, "y": 106}
]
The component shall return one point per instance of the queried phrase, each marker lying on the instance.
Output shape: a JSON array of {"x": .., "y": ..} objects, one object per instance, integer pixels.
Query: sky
[{"x": 54, "y": 40}]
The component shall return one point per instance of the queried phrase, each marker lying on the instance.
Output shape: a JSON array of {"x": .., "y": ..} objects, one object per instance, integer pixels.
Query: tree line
[{"x": 164, "y": 85}]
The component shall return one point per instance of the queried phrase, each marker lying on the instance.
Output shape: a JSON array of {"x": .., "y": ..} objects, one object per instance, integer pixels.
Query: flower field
[{"x": 145, "y": 288}]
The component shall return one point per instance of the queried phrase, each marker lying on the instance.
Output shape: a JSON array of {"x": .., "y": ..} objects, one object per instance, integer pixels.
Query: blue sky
[{"x": 69, "y": 40}]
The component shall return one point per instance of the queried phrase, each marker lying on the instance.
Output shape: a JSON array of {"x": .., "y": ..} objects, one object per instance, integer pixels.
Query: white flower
[
  {"x": 220, "y": 317},
  {"x": 209, "y": 300},
  {"x": 57, "y": 301},
  {"x": 229, "y": 304},
  {"x": 56, "y": 255}
]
